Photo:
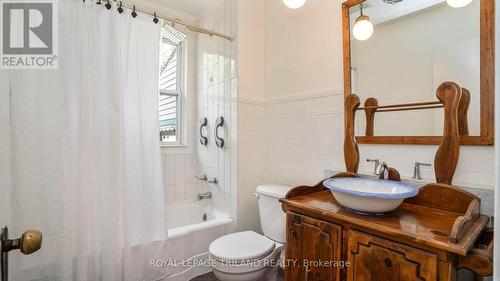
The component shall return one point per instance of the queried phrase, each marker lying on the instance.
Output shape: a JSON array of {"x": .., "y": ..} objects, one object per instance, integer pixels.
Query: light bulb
[
  {"x": 363, "y": 28},
  {"x": 458, "y": 3},
  {"x": 294, "y": 4}
]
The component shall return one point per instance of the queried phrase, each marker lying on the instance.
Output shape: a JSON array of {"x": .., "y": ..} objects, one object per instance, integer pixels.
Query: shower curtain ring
[
  {"x": 108, "y": 5},
  {"x": 134, "y": 14},
  {"x": 120, "y": 9},
  {"x": 155, "y": 20}
]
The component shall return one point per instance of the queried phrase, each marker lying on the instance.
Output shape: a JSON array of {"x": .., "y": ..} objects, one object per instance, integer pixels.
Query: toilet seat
[
  {"x": 241, "y": 247},
  {"x": 243, "y": 254}
]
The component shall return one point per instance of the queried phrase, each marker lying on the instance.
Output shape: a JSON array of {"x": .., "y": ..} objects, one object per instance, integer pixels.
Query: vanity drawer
[
  {"x": 375, "y": 259},
  {"x": 313, "y": 248}
]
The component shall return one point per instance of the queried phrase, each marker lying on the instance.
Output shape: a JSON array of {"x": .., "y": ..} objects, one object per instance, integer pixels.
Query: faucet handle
[
  {"x": 377, "y": 163},
  {"x": 202, "y": 177},
  {"x": 417, "y": 175}
]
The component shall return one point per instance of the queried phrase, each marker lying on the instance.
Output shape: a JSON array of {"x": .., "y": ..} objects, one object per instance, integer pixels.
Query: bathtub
[{"x": 191, "y": 229}]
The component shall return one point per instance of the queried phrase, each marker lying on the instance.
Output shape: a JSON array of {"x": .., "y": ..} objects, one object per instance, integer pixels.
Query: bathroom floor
[{"x": 211, "y": 277}]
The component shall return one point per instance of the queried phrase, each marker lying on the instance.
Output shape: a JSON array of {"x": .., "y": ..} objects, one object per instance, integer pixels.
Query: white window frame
[{"x": 178, "y": 94}]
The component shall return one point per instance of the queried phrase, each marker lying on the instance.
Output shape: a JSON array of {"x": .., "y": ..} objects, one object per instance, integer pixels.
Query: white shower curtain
[{"x": 85, "y": 154}]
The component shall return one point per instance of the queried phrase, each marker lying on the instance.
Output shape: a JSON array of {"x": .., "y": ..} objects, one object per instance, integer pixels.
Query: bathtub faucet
[{"x": 206, "y": 195}]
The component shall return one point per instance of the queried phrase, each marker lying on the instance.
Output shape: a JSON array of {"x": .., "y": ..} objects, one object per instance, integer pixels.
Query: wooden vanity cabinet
[
  {"x": 429, "y": 237},
  {"x": 311, "y": 240},
  {"x": 412, "y": 243},
  {"x": 370, "y": 258},
  {"x": 376, "y": 259}
]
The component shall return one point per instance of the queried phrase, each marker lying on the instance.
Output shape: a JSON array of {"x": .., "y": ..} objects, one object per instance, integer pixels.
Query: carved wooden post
[
  {"x": 351, "y": 152},
  {"x": 463, "y": 108},
  {"x": 445, "y": 162},
  {"x": 370, "y": 115}
]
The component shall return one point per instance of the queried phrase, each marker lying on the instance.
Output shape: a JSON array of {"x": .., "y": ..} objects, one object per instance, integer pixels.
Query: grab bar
[
  {"x": 218, "y": 140},
  {"x": 203, "y": 139}
]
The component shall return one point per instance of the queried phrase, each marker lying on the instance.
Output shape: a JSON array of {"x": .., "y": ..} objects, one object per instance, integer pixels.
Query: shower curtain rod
[{"x": 166, "y": 18}]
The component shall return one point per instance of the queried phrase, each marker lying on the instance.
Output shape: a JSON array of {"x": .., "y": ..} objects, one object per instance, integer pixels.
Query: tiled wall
[
  {"x": 251, "y": 157},
  {"x": 178, "y": 178},
  {"x": 216, "y": 96},
  {"x": 306, "y": 137},
  {"x": 303, "y": 138},
  {"x": 303, "y": 105},
  {"x": 251, "y": 111}
]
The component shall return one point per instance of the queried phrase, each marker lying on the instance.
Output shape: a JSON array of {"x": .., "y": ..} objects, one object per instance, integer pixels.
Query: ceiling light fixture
[
  {"x": 392, "y": 2},
  {"x": 294, "y": 4},
  {"x": 458, "y": 3},
  {"x": 363, "y": 28}
]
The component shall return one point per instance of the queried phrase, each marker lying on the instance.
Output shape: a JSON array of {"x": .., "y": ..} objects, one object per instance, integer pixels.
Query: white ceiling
[
  {"x": 380, "y": 12},
  {"x": 191, "y": 7}
]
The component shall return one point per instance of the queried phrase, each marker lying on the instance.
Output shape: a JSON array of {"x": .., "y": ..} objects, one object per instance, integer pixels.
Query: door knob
[{"x": 28, "y": 243}]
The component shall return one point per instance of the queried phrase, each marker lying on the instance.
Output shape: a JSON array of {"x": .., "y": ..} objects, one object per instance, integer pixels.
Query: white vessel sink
[{"x": 370, "y": 196}]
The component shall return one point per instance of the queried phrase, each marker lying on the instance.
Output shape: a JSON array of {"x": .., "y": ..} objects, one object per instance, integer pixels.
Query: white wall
[
  {"x": 302, "y": 105},
  {"x": 303, "y": 83},
  {"x": 216, "y": 96},
  {"x": 178, "y": 178},
  {"x": 251, "y": 149},
  {"x": 4, "y": 148}
]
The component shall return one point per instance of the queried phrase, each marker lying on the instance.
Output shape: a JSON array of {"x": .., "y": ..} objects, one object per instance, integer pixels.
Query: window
[{"x": 171, "y": 86}]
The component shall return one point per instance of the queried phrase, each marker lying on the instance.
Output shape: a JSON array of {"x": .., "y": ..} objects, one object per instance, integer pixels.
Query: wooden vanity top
[{"x": 415, "y": 223}]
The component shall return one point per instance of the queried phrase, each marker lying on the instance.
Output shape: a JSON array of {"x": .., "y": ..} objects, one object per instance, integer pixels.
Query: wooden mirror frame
[{"x": 487, "y": 77}]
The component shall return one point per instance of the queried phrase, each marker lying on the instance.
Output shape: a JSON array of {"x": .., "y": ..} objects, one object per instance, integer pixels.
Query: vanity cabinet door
[
  {"x": 376, "y": 259},
  {"x": 312, "y": 249}
]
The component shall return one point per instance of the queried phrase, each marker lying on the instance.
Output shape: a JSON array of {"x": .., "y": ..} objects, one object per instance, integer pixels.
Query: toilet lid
[{"x": 246, "y": 245}]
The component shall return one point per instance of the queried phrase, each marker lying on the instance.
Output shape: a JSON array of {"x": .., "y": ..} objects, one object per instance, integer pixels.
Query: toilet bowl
[
  {"x": 243, "y": 256},
  {"x": 247, "y": 255}
]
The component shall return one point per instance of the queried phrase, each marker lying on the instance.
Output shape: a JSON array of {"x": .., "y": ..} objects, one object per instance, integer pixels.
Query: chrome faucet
[
  {"x": 206, "y": 195},
  {"x": 417, "y": 175},
  {"x": 382, "y": 166}
]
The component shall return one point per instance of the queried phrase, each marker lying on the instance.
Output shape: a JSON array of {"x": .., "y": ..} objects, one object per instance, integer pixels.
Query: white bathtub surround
[
  {"x": 178, "y": 178},
  {"x": 189, "y": 237},
  {"x": 84, "y": 152},
  {"x": 216, "y": 97}
]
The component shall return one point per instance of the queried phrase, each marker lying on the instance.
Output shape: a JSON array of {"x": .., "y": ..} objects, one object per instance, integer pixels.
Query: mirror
[{"x": 400, "y": 51}]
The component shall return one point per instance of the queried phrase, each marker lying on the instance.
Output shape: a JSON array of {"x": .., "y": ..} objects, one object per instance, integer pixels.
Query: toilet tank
[{"x": 272, "y": 217}]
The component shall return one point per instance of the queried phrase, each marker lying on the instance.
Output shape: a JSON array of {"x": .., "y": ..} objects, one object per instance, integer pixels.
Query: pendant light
[
  {"x": 294, "y": 4},
  {"x": 363, "y": 28},
  {"x": 458, "y": 3}
]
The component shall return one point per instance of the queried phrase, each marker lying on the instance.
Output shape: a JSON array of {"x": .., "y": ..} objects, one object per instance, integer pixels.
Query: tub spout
[{"x": 206, "y": 195}]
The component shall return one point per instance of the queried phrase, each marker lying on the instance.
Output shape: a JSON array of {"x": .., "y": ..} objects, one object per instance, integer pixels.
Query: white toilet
[{"x": 247, "y": 255}]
